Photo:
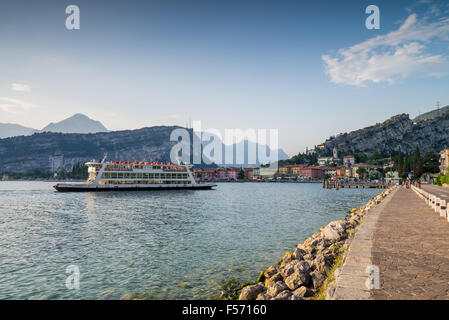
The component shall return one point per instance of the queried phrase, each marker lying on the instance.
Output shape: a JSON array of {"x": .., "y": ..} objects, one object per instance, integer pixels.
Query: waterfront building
[
  {"x": 323, "y": 161},
  {"x": 348, "y": 161},
  {"x": 314, "y": 172},
  {"x": 330, "y": 171},
  {"x": 392, "y": 178},
  {"x": 355, "y": 167},
  {"x": 388, "y": 164},
  {"x": 444, "y": 161},
  {"x": 249, "y": 173},
  {"x": 256, "y": 174},
  {"x": 348, "y": 173},
  {"x": 283, "y": 171},
  {"x": 225, "y": 174},
  {"x": 232, "y": 173},
  {"x": 340, "y": 172},
  {"x": 301, "y": 171},
  {"x": 310, "y": 151},
  {"x": 221, "y": 174},
  {"x": 208, "y": 174},
  {"x": 295, "y": 169}
]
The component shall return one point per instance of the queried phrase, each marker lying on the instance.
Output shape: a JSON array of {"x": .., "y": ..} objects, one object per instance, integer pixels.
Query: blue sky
[{"x": 310, "y": 69}]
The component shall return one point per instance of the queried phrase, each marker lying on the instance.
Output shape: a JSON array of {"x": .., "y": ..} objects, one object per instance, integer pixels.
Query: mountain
[
  {"x": 246, "y": 146},
  {"x": 387, "y": 137},
  {"x": 431, "y": 114},
  {"x": 78, "y": 123},
  {"x": 53, "y": 151},
  {"x": 10, "y": 130}
]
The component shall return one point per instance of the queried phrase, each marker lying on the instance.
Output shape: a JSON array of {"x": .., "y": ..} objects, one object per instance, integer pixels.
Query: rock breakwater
[{"x": 302, "y": 273}]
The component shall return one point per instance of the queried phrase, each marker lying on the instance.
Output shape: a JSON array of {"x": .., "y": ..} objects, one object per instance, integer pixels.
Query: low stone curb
[{"x": 440, "y": 206}]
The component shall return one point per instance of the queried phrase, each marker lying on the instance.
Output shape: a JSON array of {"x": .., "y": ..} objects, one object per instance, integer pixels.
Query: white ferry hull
[{"x": 64, "y": 187}]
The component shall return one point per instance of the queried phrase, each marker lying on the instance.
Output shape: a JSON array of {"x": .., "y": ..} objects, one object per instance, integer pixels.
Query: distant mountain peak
[
  {"x": 11, "y": 130},
  {"x": 78, "y": 123}
]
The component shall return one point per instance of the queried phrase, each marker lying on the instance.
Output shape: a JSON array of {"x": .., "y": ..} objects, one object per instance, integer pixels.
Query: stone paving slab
[{"x": 411, "y": 249}]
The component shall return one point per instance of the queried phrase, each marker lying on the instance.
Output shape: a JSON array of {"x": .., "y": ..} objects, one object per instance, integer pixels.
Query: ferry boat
[{"x": 135, "y": 176}]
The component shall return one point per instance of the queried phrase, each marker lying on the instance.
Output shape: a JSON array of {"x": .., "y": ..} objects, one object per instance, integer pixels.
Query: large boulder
[
  {"x": 296, "y": 273},
  {"x": 261, "y": 296},
  {"x": 284, "y": 295},
  {"x": 317, "y": 279},
  {"x": 335, "y": 231},
  {"x": 251, "y": 292},
  {"x": 271, "y": 271},
  {"x": 323, "y": 263},
  {"x": 299, "y": 253},
  {"x": 287, "y": 257},
  {"x": 295, "y": 265},
  {"x": 297, "y": 279},
  {"x": 303, "y": 292},
  {"x": 275, "y": 278},
  {"x": 276, "y": 288}
]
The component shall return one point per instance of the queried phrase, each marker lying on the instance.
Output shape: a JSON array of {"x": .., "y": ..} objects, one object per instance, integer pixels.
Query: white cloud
[
  {"x": 389, "y": 57},
  {"x": 20, "y": 87},
  {"x": 15, "y": 106}
]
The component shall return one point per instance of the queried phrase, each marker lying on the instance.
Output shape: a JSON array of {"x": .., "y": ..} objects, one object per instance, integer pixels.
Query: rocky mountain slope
[
  {"x": 387, "y": 137},
  {"x": 54, "y": 151}
]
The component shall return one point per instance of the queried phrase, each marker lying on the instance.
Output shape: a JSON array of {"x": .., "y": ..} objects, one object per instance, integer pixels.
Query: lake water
[{"x": 156, "y": 244}]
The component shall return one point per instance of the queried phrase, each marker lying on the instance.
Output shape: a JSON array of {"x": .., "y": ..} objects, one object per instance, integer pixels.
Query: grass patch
[
  {"x": 230, "y": 289},
  {"x": 322, "y": 291}
]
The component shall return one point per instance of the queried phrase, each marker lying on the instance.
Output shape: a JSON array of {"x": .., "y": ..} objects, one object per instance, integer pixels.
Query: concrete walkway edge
[{"x": 351, "y": 278}]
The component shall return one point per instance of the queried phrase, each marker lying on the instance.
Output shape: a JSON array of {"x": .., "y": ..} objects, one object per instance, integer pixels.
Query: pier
[
  {"x": 406, "y": 239},
  {"x": 328, "y": 184}
]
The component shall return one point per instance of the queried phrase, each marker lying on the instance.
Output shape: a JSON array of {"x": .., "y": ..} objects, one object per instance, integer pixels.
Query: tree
[
  {"x": 382, "y": 172},
  {"x": 62, "y": 174},
  {"x": 399, "y": 163},
  {"x": 431, "y": 162},
  {"x": 375, "y": 174},
  {"x": 405, "y": 167},
  {"x": 79, "y": 171},
  {"x": 361, "y": 157},
  {"x": 375, "y": 158},
  {"x": 418, "y": 169},
  {"x": 361, "y": 172},
  {"x": 241, "y": 174}
]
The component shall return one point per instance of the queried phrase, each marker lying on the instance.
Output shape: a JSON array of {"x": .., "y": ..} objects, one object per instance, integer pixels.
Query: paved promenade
[
  {"x": 436, "y": 190},
  {"x": 411, "y": 248}
]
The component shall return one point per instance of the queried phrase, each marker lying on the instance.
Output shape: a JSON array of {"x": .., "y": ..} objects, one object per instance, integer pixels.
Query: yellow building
[{"x": 283, "y": 170}]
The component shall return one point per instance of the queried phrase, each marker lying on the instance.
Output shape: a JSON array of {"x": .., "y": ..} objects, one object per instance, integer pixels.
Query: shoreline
[{"x": 311, "y": 270}]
